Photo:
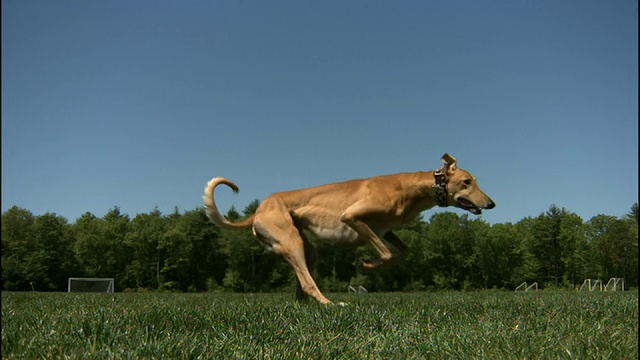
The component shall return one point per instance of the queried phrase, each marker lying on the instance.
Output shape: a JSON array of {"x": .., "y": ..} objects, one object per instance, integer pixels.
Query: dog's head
[{"x": 462, "y": 188}]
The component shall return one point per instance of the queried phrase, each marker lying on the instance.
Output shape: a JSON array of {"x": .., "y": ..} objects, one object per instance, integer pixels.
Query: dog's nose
[{"x": 491, "y": 204}]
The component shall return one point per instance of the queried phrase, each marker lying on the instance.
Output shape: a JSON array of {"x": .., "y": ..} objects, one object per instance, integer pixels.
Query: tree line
[{"x": 186, "y": 252}]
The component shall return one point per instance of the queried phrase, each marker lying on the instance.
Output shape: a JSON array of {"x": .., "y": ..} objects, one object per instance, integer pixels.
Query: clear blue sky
[{"x": 137, "y": 104}]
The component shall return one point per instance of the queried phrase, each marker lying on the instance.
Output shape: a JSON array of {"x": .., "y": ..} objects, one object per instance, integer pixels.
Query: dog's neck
[{"x": 430, "y": 190}]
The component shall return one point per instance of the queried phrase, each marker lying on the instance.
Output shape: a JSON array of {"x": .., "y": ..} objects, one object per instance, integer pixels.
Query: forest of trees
[{"x": 186, "y": 252}]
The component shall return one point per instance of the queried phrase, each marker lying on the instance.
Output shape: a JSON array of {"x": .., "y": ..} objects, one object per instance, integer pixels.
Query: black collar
[{"x": 441, "y": 188}]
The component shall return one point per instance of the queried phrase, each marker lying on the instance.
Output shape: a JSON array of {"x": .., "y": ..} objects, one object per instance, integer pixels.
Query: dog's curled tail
[{"x": 212, "y": 210}]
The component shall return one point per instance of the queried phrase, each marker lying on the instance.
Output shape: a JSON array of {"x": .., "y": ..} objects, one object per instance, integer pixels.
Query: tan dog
[{"x": 356, "y": 212}]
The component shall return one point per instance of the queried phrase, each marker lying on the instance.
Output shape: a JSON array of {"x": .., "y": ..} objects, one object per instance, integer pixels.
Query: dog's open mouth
[{"x": 469, "y": 206}]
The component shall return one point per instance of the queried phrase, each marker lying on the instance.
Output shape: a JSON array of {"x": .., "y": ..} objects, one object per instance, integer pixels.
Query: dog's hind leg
[
  {"x": 310, "y": 257},
  {"x": 274, "y": 225}
]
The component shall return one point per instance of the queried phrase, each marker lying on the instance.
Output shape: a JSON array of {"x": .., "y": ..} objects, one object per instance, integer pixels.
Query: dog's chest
[
  {"x": 336, "y": 233},
  {"x": 324, "y": 223}
]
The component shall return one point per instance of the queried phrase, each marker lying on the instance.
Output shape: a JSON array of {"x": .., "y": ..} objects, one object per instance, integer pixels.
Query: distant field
[{"x": 451, "y": 325}]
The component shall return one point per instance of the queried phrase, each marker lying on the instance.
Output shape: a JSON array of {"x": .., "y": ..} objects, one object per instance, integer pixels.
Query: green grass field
[{"x": 448, "y": 325}]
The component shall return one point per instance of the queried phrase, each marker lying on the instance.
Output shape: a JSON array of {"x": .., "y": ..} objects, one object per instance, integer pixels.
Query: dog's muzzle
[{"x": 473, "y": 208}]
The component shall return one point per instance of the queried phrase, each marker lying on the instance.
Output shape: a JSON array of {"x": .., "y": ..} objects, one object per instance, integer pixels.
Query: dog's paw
[
  {"x": 367, "y": 264},
  {"x": 362, "y": 263}
]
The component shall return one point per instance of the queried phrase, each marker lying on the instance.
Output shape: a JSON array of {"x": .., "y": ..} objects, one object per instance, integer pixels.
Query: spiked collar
[{"x": 441, "y": 187}]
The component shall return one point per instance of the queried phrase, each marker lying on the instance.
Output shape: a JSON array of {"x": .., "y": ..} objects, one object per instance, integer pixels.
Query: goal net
[
  {"x": 91, "y": 285},
  {"x": 615, "y": 284}
]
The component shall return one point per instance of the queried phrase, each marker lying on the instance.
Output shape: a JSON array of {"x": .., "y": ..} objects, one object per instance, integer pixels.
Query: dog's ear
[{"x": 450, "y": 162}]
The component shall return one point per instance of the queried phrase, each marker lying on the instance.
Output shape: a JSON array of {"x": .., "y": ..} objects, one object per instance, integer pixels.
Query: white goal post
[
  {"x": 357, "y": 290},
  {"x": 526, "y": 287},
  {"x": 615, "y": 284},
  {"x": 591, "y": 285},
  {"x": 91, "y": 285},
  {"x": 522, "y": 287}
]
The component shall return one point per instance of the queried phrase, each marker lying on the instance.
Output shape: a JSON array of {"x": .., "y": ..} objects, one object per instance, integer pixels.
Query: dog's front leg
[
  {"x": 398, "y": 244},
  {"x": 353, "y": 218}
]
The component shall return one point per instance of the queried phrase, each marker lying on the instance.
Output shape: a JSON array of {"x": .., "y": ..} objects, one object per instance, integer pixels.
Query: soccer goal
[
  {"x": 526, "y": 287},
  {"x": 615, "y": 284},
  {"x": 91, "y": 285},
  {"x": 591, "y": 285},
  {"x": 357, "y": 290}
]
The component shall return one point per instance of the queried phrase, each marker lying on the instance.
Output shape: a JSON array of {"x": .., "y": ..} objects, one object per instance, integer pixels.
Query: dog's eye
[{"x": 467, "y": 181}]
